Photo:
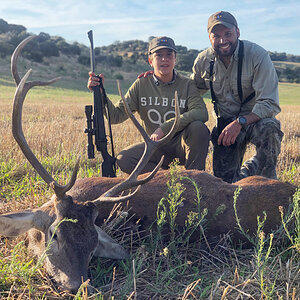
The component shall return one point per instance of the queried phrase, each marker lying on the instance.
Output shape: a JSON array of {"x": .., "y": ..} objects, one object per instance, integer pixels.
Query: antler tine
[
  {"x": 18, "y": 134},
  {"x": 14, "y": 68},
  {"x": 150, "y": 145},
  {"x": 150, "y": 148},
  {"x": 132, "y": 117}
]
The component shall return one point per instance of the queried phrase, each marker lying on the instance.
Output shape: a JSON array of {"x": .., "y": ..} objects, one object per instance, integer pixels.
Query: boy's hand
[
  {"x": 94, "y": 80},
  {"x": 157, "y": 134}
]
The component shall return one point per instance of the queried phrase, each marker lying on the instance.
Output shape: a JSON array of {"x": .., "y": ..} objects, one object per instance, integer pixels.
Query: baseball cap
[
  {"x": 221, "y": 17},
  {"x": 160, "y": 43}
]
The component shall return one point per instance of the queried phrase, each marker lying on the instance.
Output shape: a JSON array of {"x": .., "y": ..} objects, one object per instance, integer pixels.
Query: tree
[
  {"x": 68, "y": 49},
  {"x": 3, "y": 26},
  {"x": 48, "y": 48},
  {"x": 185, "y": 60},
  {"x": 16, "y": 28},
  {"x": 44, "y": 37},
  {"x": 84, "y": 60},
  {"x": 17, "y": 38},
  {"x": 6, "y": 49}
]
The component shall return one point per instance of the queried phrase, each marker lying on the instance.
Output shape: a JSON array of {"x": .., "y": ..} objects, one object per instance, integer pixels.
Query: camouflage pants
[{"x": 265, "y": 135}]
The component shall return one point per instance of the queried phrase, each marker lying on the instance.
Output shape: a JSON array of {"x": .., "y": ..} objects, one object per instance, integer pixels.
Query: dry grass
[{"x": 54, "y": 127}]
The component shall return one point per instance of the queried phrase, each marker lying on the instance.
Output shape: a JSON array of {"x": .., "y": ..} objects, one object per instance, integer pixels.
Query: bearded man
[{"x": 244, "y": 89}]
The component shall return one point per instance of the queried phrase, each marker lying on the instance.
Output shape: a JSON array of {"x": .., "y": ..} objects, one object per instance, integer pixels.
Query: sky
[{"x": 273, "y": 24}]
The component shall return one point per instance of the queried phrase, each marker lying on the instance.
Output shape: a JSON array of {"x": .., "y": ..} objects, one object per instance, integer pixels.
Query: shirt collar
[{"x": 158, "y": 82}]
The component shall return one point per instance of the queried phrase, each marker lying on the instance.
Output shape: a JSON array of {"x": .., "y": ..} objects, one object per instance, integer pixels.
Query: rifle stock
[{"x": 96, "y": 125}]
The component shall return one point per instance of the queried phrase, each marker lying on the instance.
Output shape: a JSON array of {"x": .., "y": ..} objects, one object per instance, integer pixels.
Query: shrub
[{"x": 84, "y": 60}]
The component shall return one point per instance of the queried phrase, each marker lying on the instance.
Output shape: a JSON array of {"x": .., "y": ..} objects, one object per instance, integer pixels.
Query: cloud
[{"x": 270, "y": 23}]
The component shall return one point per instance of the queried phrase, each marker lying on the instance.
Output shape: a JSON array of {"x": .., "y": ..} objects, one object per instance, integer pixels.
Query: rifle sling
[
  {"x": 105, "y": 104},
  {"x": 214, "y": 98}
]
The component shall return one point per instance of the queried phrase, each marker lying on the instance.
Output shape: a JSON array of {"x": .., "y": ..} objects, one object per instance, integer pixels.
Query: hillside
[{"x": 52, "y": 56}]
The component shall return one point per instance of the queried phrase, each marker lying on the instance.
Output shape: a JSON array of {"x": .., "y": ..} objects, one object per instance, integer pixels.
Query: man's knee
[
  {"x": 267, "y": 135},
  {"x": 268, "y": 128}
]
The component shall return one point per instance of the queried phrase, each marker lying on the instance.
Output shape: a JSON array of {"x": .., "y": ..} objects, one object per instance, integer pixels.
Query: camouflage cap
[
  {"x": 160, "y": 43},
  {"x": 221, "y": 17}
]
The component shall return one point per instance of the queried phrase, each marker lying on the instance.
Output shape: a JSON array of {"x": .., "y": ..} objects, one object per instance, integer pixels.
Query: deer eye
[{"x": 52, "y": 233}]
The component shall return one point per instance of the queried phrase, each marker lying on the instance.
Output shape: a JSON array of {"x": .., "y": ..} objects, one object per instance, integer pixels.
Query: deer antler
[
  {"x": 14, "y": 69},
  {"x": 150, "y": 147},
  {"x": 22, "y": 88}
]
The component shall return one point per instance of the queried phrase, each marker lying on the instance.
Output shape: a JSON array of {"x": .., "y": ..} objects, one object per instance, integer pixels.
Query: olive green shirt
[
  {"x": 154, "y": 101},
  {"x": 258, "y": 75}
]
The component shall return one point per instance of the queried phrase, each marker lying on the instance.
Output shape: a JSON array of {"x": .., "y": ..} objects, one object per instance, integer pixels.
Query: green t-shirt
[{"x": 154, "y": 101}]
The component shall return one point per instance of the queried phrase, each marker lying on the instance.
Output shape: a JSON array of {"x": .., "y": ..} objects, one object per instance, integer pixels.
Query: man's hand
[
  {"x": 157, "y": 134},
  {"x": 229, "y": 133},
  {"x": 94, "y": 80},
  {"x": 145, "y": 74}
]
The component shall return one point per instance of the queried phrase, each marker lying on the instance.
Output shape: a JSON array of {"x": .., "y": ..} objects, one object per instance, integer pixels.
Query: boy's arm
[{"x": 196, "y": 110}]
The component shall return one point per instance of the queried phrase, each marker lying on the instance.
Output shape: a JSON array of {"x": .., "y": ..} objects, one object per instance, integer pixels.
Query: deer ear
[
  {"x": 107, "y": 247},
  {"x": 14, "y": 224}
]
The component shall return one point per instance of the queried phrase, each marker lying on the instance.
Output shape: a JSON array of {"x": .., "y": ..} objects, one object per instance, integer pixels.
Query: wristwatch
[{"x": 242, "y": 121}]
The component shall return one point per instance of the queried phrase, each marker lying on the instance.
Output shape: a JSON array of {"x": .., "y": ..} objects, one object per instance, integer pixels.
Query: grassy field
[{"x": 54, "y": 122}]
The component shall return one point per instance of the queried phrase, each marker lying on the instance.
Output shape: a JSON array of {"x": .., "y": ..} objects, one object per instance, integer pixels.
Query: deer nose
[
  {"x": 74, "y": 289},
  {"x": 71, "y": 287}
]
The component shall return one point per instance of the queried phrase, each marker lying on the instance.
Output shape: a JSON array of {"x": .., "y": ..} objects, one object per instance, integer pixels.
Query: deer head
[{"x": 66, "y": 229}]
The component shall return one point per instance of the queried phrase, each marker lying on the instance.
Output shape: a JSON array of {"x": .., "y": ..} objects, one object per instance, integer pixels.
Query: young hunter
[
  {"x": 153, "y": 99},
  {"x": 244, "y": 90}
]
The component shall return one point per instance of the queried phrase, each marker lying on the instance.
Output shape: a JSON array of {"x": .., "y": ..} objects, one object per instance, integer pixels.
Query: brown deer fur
[{"x": 258, "y": 194}]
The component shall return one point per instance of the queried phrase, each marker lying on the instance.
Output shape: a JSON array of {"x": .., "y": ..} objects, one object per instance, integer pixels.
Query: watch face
[{"x": 242, "y": 120}]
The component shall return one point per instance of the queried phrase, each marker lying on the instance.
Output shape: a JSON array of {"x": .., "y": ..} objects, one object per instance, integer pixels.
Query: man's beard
[{"x": 228, "y": 52}]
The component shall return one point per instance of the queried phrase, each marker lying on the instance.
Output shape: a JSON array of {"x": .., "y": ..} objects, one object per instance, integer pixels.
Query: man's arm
[
  {"x": 265, "y": 84},
  {"x": 232, "y": 130},
  {"x": 198, "y": 71}
]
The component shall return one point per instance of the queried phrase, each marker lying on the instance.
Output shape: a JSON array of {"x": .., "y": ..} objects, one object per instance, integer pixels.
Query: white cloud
[{"x": 271, "y": 23}]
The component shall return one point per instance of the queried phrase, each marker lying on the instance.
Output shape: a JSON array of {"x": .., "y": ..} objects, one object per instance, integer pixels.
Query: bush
[
  {"x": 68, "y": 49},
  {"x": 34, "y": 55},
  {"x": 84, "y": 60},
  {"x": 16, "y": 28},
  {"x": 6, "y": 49},
  {"x": 16, "y": 39},
  {"x": 43, "y": 37},
  {"x": 48, "y": 48},
  {"x": 118, "y": 76}
]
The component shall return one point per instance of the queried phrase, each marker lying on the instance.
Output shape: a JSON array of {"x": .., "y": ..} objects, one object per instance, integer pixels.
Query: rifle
[{"x": 96, "y": 126}]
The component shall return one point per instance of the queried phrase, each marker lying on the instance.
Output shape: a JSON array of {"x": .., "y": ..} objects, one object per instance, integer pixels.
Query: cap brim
[
  {"x": 161, "y": 47},
  {"x": 228, "y": 25}
]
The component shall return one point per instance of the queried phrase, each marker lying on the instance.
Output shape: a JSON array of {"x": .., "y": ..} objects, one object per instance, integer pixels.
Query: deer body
[{"x": 258, "y": 194}]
